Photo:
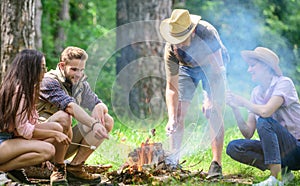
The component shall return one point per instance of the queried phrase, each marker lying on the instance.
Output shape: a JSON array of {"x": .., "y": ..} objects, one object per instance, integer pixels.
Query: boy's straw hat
[{"x": 179, "y": 26}]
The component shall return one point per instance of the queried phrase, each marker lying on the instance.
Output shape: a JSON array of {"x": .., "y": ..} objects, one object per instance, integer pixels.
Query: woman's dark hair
[{"x": 22, "y": 79}]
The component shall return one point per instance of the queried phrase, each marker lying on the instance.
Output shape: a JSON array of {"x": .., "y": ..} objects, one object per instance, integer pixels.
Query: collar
[{"x": 60, "y": 75}]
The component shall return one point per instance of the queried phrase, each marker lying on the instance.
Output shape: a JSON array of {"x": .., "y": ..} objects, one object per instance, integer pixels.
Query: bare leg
[
  {"x": 60, "y": 149},
  {"x": 24, "y": 153},
  {"x": 65, "y": 121},
  {"x": 177, "y": 136},
  {"x": 275, "y": 170},
  {"x": 217, "y": 135},
  {"x": 83, "y": 153},
  {"x": 217, "y": 98}
]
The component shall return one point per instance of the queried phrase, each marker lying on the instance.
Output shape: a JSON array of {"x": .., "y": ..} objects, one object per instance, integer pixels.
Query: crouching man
[{"x": 64, "y": 94}]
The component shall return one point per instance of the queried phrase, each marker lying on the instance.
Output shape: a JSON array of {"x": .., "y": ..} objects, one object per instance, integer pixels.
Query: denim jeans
[
  {"x": 276, "y": 146},
  {"x": 5, "y": 136},
  {"x": 188, "y": 81}
]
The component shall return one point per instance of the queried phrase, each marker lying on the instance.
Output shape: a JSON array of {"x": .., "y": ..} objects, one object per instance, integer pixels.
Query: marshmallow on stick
[{"x": 92, "y": 147}]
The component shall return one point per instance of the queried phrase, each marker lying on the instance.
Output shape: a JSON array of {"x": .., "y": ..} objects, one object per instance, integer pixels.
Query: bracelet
[{"x": 92, "y": 128}]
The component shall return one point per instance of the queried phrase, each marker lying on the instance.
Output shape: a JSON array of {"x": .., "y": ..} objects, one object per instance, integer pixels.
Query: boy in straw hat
[
  {"x": 274, "y": 110},
  {"x": 193, "y": 52}
]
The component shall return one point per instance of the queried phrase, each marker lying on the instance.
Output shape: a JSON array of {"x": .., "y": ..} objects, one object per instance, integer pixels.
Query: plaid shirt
[{"x": 52, "y": 91}]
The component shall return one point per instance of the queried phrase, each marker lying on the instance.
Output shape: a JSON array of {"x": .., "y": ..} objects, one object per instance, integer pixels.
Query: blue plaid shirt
[{"x": 52, "y": 91}]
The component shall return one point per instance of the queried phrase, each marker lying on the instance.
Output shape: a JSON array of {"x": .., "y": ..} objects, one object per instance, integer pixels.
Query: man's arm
[
  {"x": 172, "y": 102},
  {"x": 80, "y": 115}
]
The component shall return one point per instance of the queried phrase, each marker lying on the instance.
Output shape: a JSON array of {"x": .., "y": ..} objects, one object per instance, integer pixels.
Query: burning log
[
  {"x": 146, "y": 165},
  {"x": 147, "y": 154}
]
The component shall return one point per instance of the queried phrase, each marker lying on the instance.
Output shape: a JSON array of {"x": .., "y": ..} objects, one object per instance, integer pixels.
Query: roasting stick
[{"x": 92, "y": 147}]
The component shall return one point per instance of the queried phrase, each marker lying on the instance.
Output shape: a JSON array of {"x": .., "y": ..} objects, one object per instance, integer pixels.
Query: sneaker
[
  {"x": 271, "y": 181},
  {"x": 215, "y": 171},
  {"x": 287, "y": 177},
  {"x": 18, "y": 175},
  {"x": 58, "y": 176},
  {"x": 4, "y": 180},
  {"x": 77, "y": 174}
]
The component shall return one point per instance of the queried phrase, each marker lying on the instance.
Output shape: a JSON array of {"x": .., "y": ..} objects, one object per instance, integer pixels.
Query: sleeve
[
  {"x": 89, "y": 98},
  {"x": 171, "y": 62},
  {"x": 209, "y": 35},
  {"x": 52, "y": 91},
  {"x": 24, "y": 126},
  {"x": 286, "y": 89}
]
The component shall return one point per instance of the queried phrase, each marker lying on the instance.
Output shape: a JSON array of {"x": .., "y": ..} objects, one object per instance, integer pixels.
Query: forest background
[{"x": 125, "y": 66}]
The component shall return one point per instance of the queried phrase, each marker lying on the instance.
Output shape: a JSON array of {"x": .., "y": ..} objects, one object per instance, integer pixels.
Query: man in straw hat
[
  {"x": 274, "y": 110},
  {"x": 193, "y": 52}
]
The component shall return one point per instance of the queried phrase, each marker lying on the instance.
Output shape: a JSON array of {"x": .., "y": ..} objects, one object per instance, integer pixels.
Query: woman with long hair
[{"x": 24, "y": 141}]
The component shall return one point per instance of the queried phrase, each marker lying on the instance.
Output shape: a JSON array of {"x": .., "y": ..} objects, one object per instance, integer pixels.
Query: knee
[
  {"x": 109, "y": 122},
  {"x": 229, "y": 148},
  {"x": 263, "y": 123},
  {"x": 56, "y": 126},
  {"x": 233, "y": 148},
  {"x": 65, "y": 120},
  {"x": 48, "y": 152}
]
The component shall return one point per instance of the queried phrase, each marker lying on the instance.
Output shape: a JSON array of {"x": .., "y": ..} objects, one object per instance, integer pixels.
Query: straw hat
[
  {"x": 179, "y": 26},
  {"x": 264, "y": 55}
]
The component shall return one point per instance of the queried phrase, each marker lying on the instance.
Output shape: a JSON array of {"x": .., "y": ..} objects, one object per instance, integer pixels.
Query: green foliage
[{"x": 89, "y": 21}]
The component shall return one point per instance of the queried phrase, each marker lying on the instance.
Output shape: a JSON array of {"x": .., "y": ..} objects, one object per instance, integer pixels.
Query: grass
[{"x": 196, "y": 152}]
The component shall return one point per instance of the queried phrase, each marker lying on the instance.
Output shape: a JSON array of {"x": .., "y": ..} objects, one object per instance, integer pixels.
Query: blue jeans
[
  {"x": 5, "y": 136},
  {"x": 276, "y": 146}
]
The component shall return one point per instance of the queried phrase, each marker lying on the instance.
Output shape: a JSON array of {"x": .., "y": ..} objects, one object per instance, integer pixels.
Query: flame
[{"x": 144, "y": 155}]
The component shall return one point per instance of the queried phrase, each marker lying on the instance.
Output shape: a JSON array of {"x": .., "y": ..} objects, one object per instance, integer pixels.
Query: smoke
[
  {"x": 240, "y": 28},
  {"x": 243, "y": 26}
]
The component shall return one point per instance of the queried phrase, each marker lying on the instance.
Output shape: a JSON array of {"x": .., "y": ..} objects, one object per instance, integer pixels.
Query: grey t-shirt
[{"x": 206, "y": 41}]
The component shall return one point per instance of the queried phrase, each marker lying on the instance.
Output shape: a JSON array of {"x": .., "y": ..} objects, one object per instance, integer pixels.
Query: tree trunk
[
  {"x": 61, "y": 35},
  {"x": 38, "y": 23},
  {"x": 140, "y": 65},
  {"x": 17, "y": 29}
]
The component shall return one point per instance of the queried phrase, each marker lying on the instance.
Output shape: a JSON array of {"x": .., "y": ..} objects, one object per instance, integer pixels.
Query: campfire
[{"x": 146, "y": 164}]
